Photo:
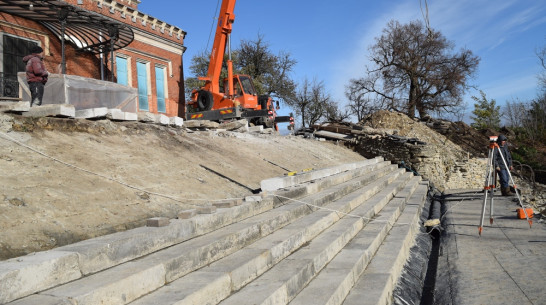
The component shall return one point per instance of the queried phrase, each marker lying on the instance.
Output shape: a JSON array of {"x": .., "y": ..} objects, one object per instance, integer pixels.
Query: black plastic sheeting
[{"x": 413, "y": 286}]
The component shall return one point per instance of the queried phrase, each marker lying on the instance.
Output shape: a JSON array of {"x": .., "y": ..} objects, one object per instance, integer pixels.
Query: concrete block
[
  {"x": 106, "y": 251},
  {"x": 28, "y": 274},
  {"x": 206, "y": 210},
  {"x": 119, "y": 285},
  {"x": 176, "y": 121},
  {"x": 115, "y": 114},
  {"x": 195, "y": 288},
  {"x": 162, "y": 119},
  {"x": 228, "y": 203},
  {"x": 256, "y": 129},
  {"x": 187, "y": 214},
  {"x": 146, "y": 117},
  {"x": 210, "y": 124},
  {"x": 51, "y": 110},
  {"x": 253, "y": 198},
  {"x": 193, "y": 123},
  {"x": 283, "y": 182},
  {"x": 157, "y": 222},
  {"x": 92, "y": 113},
  {"x": 14, "y": 106},
  {"x": 130, "y": 116},
  {"x": 40, "y": 299}
]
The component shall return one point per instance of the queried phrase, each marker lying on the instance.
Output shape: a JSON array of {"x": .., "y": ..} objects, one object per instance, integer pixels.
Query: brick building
[{"x": 147, "y": 53}]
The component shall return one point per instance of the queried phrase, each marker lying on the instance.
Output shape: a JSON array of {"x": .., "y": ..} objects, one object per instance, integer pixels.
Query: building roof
[{"x": 89, "y": 31}]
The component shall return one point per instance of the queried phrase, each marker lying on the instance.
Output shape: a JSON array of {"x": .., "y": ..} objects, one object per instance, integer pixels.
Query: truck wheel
[{"x": 204, "y": 100}]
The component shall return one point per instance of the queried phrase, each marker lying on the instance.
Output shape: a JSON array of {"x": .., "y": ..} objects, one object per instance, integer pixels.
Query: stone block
[
  {"x": 162, "y": 119},
  {"x": 22, "y": 276},
  {"x": 253, "y": 198},
  {"x": 256, "y": 129},
  {"x": 228, "y": 203},
  {"x": 187, "y": 214},
  {"x": 130, "y": 116},
  {"x": 193, "y": 123},
  {"x": 176, "y": 121},
  {"x": 157, "y": 222},
  {"x": 146, "y": 117},
  {"x": 14, "y": 106},
  {"x": 92, "y": 113},
  {"x": 206, "y": 209},
  {"x": 51, "y": 110},
  {"x": 235, "y": 125},
  {"x": 210, "y": 124},
  {"x": 115, "y": 114}
]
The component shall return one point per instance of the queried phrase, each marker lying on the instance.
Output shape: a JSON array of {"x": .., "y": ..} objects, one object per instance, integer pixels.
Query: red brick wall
[{"x": 88, "y": 65}]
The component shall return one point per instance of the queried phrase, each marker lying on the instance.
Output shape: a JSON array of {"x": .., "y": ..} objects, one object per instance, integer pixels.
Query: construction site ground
[
  {"x": 505, "y": 265},
  {"x": 65, "y": 180}
]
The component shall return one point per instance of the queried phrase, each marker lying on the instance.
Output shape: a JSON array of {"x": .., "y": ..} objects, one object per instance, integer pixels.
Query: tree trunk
[{"x": 412, "y": 100}]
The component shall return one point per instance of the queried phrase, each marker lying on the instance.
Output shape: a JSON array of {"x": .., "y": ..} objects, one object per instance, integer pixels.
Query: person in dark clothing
[
  {"x": 36, "y": 75},
  {"x": 501, "y": 167}
]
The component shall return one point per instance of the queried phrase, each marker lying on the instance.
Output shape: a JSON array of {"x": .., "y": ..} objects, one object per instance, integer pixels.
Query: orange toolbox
[{"x": 521, "y": 214}]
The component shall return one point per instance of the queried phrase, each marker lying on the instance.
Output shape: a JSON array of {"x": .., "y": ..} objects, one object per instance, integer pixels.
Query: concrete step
[
  {"x": 284, "y": 281},
  {"x": 336, "y": 282},
  {"x": 211, "y": 284},
  {"x": 377, "y": 283},
  {"x": 83, "y": 259}
]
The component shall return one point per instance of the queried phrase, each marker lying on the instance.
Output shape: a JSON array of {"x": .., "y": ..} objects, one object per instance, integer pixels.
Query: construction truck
[{"x": 235, "y": 97}]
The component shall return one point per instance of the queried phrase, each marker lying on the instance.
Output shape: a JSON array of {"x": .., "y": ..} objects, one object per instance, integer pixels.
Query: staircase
[{"x": 334, "y": 236}]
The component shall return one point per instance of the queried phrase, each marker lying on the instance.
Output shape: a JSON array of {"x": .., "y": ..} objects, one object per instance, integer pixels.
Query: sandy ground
[{"x": 65, "y": 180}]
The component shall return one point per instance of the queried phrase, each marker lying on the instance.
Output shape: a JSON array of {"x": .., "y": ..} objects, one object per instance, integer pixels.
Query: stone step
[
  {"x": 284, "y": 281},
  {"x": 377, "y": 283},
  {"x": 211, "y": 284},
  {"x": 94, "y": 255},
  {"x": 336, "y": 282}
]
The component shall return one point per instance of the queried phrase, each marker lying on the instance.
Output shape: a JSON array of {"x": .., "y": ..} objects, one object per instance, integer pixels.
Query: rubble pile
[{"x": 452, "y": 155}]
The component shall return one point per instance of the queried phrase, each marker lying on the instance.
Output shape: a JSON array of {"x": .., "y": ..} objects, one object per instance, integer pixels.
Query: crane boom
[
  {"x": 235, "y": 97},
  {"x": 221, "y": 40}
]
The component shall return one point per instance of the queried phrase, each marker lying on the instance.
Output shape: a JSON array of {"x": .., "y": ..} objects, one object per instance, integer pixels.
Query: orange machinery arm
[{"x": 221, "y": 40}]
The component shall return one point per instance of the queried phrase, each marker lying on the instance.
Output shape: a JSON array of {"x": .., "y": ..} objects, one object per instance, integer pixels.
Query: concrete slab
[
  {"x": 130, "y": 116},
  {"x": 103, "y": 252},
  {"x": 35, "y": 272},
  {"x": 503, "y": 266},
  {"x": 157, "y": 222},
  {"x": 283, "y": 182},
  {"x": 20, "y": 106},
  {"x": 256, "y": 129},
  {"x": 162, "y": 119},
  {"x": 146, "y": 117},
  {"x": 42, "y": 300},
  {"x": 52, "y": 110},
  {"x": 176, "y": 121},
  {"x": 196, "y": 288},
  {"x": 119, "y": 285},
  {"x": 92, "y": 113}
]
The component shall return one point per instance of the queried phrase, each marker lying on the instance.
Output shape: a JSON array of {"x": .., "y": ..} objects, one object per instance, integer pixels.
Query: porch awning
[{"x": 89, "y": 31}]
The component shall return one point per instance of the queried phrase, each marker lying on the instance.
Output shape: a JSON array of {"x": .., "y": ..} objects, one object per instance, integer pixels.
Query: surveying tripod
[{"x": 489, "y": 187}]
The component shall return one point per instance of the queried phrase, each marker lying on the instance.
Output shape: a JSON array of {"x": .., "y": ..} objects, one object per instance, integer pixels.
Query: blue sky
[{"x": 330, "y": 39}]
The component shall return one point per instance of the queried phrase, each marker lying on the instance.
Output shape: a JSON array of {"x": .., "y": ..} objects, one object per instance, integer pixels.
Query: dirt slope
[{"x": 64, "y": 180}]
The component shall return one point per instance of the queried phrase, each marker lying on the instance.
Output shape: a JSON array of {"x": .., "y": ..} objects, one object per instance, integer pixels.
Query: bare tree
[
  {"x": 360, "y": 105},
  {"x": 515, "y": 113},
  {"x": 309, "y": 101},
  {"x": 414, "y": 70},
  {"x": 270, "y": 72},
  {"x": 541, "y": 53},
  {"x": 333, "y": 113}
]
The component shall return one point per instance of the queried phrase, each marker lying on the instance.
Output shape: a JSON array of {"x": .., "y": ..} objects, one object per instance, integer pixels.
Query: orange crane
[{"x": 235, "y": 97}]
